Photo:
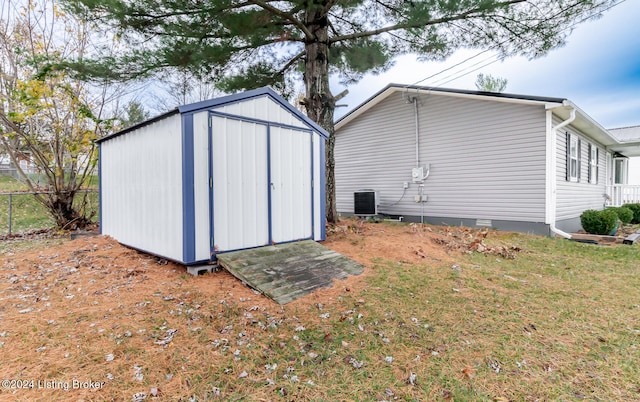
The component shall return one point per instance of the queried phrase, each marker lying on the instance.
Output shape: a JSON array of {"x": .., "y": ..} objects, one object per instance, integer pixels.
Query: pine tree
[
  {"x": 134, "y": 113},
  {"x": 252, "y": 43},
  {"x": 489, "y": 83}
]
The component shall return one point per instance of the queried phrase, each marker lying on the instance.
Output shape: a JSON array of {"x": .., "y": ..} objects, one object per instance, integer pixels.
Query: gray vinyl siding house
[
  {"x": 574, "y": 197},
  {"x": 490, "y": 159}
]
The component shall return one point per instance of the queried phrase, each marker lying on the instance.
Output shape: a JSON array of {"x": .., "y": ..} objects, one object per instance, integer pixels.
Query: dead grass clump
[
  {"x": 368, "y": 242},
  {"x": 467, "y": 240}
]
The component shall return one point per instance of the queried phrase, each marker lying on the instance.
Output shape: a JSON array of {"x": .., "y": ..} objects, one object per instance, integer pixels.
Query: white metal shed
[{"x": 230, "y": 173}]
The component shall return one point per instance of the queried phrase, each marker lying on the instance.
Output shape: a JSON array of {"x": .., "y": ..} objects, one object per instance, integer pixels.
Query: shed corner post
[
  {"x": 323, "y": 189},
  {"x": 100, "y": 196},
  {"x": 188, "y": 200}
]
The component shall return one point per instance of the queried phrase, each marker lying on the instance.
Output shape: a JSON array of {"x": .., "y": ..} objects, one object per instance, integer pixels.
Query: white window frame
[
  {"x": 620, "y": 170},
  {"x": 573, "y": 157}
]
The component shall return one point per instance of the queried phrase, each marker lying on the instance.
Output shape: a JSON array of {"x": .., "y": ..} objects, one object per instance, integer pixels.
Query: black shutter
[
  {"x": 597, "y": 163},
  {"x": 579, "y": 158},
  {"x": 568, "y": 175}
]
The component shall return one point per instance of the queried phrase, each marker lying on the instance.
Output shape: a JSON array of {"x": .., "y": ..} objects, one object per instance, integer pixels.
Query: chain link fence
[{"x": 21, "y": 212}]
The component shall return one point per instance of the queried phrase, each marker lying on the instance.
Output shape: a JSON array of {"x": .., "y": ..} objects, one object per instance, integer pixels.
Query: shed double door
[{"x": 261, "y": 184}]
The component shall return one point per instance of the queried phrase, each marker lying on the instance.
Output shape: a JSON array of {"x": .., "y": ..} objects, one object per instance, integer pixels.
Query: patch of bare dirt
[
  {"x": 367, "y": 242},
  {"x": 413, "y": 243},
  {"x": 63, "y": 308},
  {"x": 111, "y": 274},
  {"x": 68, "y": 304}
]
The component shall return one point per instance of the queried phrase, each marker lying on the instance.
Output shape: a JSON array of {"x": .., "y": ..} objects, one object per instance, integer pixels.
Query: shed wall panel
[
  {"x": 487, "y": 159},
  {"x": 240, "y": 184},
  {"x": 263, "y": 108},
  {"x": 142, "y": 188},
  {"x": 318, "y": 216},
  {"x": 201, "y": 185},
  {"x": 575, "y": 197},
  {"x": 157, "y": 194},
  {"x": 291, "y": 184}
]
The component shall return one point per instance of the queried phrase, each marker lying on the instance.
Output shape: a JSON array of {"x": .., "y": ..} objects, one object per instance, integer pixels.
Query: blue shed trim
[
  {"x": 269, "y": 186},
  {"x": 137, "y": 126},
  {"x": 313, "y": 191},
  {"x": 227, "y": 100},
  {"x": 259, "y": 121},
  {"x": 212, "y": 251},
  {"x": 100, "y": 200},
  {"x": 187, "y": 164},
  {"x": 264, "y": 91},
  {"x": 188, "y": 199},
  {"x": 198, "y": 262},
  {"x": 323, "y": 185}
]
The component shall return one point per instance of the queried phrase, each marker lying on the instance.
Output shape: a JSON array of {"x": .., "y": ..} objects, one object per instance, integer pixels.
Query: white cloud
[{"x": 598, "y": 69}]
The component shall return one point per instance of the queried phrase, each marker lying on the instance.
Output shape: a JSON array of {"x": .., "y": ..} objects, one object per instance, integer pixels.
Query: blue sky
[{"x": 598, "y": 69}]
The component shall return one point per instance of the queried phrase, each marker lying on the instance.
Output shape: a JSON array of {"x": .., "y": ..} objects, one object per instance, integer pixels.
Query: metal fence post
[
  {"x": 10, "y": 205},
  {"x": 26, "y": 193}
]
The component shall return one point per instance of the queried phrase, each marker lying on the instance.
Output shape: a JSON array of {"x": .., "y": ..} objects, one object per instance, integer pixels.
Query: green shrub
[
  {"x": 624, "y": 214},
  {"x": 636, "y": 212},
  {"x": 599, "y": 222}
]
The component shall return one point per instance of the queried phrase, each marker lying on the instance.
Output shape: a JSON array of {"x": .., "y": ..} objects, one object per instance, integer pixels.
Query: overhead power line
[{"x": 469, "y": 69}]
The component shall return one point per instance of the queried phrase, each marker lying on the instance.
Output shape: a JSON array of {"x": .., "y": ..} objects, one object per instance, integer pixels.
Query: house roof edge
[{"x": 394, "y": 87}]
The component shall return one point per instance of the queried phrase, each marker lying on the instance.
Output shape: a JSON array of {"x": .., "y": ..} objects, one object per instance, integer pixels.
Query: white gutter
[{"x": 552, "y": 149}]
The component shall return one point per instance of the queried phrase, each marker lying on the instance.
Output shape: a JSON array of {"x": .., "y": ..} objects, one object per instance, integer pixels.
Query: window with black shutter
[{"x": 573, "y": 157}]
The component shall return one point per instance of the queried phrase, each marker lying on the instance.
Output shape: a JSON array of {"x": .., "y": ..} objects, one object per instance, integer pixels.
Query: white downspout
[
  {"x": 417, "y": 127},
  {"x": 415, "y": 104},
  {"x": 553, "y": 170}
]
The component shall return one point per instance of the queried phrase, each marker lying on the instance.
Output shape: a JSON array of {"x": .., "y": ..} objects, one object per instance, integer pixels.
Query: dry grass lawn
[{"x": 439, "y": 314}]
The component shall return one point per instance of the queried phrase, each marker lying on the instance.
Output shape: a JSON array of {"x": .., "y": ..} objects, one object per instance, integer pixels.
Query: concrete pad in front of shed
[{"x": 286, "y": 272}]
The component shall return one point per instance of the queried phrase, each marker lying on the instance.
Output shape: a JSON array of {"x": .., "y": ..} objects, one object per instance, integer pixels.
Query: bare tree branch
[
  {"x": 286, "y": 16},
  {"x": 417, "y": 24}
]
